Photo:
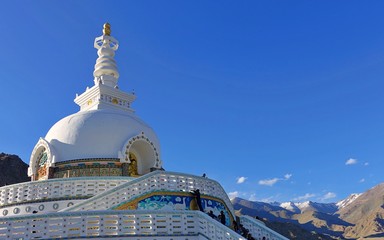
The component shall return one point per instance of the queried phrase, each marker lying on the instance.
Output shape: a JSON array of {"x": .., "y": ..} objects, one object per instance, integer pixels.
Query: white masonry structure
[{"x": 98, "y": 174}]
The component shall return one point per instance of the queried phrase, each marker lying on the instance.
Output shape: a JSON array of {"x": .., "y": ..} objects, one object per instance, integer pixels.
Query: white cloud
[
  {"x": 328, "y": 195},
  {"x": 366, "y": 163},
  {"x": 269, "y": 182},
  {"x": 267, "y": 200},
  {"x": 351, "y": 161},
  {"x": 272, "y": 181},
  {"x": 362, "y": 180},
  {"x": 304, "y": 197},
  {"x": 252, "y": 197},
  {"x": 232, "y": 195},
  {"x": 241, "y": 180},
  {"x": 287, "y": 176}
]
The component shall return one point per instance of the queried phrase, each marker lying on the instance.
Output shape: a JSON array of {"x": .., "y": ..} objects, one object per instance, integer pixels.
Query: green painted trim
[{"x": 87, "y": 160}]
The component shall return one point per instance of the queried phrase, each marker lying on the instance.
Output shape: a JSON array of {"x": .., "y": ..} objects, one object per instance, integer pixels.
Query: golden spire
[{"x": 107, "y": 29}]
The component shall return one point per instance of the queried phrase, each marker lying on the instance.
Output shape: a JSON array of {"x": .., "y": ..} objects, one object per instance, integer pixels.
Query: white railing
[
  {"x": 58, "y": 188},
  {"x": 134, "y": 223},
  {"x": 258, "y": 230},
  {"x": 155, "y": 181}
]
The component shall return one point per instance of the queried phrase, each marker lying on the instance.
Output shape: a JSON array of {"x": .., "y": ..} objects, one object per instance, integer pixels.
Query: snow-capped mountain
[
  {"x": 330, "y": 208},
  {"x": 343, "y": 203},
  {"x": 301, "y": 207},
  {"x": 318, "y": 207},
  {"x": 355, "y": 217},
  {"x": 290, "y": 206}
]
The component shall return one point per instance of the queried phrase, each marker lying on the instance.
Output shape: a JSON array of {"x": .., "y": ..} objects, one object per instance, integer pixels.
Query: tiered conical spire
[
  {"x": 105, "y": 68},
  {"x": 105, "y": 94}
]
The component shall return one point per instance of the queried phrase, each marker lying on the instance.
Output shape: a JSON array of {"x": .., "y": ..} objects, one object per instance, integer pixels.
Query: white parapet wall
[
  {"x": 158, "y": 180},
  {"x": 81, "y": 207},
  {"x": 111, "y": 224},
  {"x": 53, "y": 194},
  {"x": 98, "y": 193}
]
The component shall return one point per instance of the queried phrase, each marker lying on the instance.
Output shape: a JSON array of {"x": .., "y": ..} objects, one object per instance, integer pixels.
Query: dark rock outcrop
[{"x": 12, "y": 170}]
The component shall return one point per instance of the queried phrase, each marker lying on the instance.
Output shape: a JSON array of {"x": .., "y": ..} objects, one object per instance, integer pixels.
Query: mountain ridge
[{"x": 357, "y": 216}]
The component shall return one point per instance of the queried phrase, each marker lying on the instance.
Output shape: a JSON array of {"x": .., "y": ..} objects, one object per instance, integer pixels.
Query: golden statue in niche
[{"x": 132, "y": 167}]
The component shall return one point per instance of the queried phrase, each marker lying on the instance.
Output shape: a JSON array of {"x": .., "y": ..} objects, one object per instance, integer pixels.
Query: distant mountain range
[{"x": 357, "y": 216}]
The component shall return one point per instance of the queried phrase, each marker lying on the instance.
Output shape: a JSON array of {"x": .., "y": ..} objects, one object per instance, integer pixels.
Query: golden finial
[{"x": 107, "y": 29}]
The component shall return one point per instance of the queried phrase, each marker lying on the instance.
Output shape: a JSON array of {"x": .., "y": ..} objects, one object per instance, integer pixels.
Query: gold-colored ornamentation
[
  {"x": 132, "y": 167},
  {"x": 41, "y": 172},
  {"x": 107, "y": 29},
  {"x": 127, "y": 206},
  {"x": 115, "y": 101},
  {"x": 89, "y": 102},
  {"x": 104, "y": 172},
  {"x": 193, "y": 204}
]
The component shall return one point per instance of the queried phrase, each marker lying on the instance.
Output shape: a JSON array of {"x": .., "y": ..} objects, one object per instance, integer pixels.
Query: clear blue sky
[{"x": 284, "y": 96}]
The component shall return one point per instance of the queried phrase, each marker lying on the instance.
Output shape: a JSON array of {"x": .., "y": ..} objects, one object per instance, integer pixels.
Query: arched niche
[
  {"x": 40, "y": 161},
  {"x": 143, "y": 151}
]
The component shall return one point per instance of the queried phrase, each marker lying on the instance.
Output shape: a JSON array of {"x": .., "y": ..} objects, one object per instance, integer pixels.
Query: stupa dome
[{"x": 97, "y": 134}]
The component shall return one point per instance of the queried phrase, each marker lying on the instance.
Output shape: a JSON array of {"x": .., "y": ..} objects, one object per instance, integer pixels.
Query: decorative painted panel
[
  {"x": 171, "y": 201},
  {"x": 88, "y": 170}
]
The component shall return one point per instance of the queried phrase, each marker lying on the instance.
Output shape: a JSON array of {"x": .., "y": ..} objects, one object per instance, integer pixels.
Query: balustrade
[
  {"x": 57, "y": 188},
  {"x": 138, "y": 223},
  {"x": 155, "y": 181}
]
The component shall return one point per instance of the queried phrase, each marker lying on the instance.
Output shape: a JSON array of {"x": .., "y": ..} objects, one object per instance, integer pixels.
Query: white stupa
[
  {"x": 104, "y": 136},
  {"x": 98, "y": 174}
]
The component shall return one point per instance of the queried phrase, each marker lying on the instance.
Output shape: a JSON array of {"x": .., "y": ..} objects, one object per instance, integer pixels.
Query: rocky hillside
[
  {"x": 277, "y": 218},
  {"x": 12, "y": 170},
  {"x": 358, "y": 216},
  {"x": 293, "y": 231},
  {"x": 366, "y": 213}
]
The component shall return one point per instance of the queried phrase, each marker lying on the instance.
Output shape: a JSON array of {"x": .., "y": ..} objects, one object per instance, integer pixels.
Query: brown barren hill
[{"x": 367, "y": 213}]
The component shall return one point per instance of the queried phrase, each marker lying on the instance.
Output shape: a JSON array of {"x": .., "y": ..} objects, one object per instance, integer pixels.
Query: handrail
[
  {"x": 129, "y": 190},
  {"x": 115, "y": 223},
  {"x": 57, "y": 188}
]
